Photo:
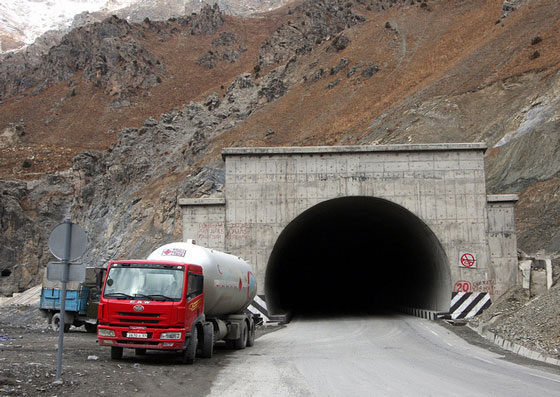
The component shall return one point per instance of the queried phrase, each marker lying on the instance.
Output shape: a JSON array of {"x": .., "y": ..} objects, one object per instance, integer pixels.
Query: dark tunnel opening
[{"x": 356, "y": 255}]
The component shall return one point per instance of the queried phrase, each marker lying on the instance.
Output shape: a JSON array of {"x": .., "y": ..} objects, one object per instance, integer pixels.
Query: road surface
[{"x": 392, "y": 355}]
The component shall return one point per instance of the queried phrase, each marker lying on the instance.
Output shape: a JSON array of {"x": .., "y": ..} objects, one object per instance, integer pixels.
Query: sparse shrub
[
  {"x": 370, "y": 71},
  {"x": 26, "y": 164},
  {"x": 534, "y": 55},
  {"x": 536, "y": 40}
]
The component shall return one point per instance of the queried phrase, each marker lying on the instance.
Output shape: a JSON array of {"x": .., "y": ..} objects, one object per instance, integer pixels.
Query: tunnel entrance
[{"x": 356, "y": 255}]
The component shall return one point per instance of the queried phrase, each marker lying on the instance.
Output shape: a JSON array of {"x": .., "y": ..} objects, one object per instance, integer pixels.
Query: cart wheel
[
  {"x": 190, "y": 352},
  {"x": 240, "y": 343},
  {"x": 251, "y": 336},
  {"x": 55, "y": 323},
  {"x": 207, "y": 341}
]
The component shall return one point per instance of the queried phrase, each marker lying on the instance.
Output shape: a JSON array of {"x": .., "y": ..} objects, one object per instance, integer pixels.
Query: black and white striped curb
[
  {"x": 468, "y": 304},
  {"x": 422, "y": 313},
  {"x": 258, "y": 307}
]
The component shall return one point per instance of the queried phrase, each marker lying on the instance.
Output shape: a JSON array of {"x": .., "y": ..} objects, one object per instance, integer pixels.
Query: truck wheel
[
  {"x": 243, "y": 334},
  {"x": 55, "y": 323},
  {"x": 116, "y": 352},
  {"x": 190, "y": 351},
  {"x": 91, "y": 328},
  {"x": 207, "y": 341},
  {"x": 251, "y": 336}
]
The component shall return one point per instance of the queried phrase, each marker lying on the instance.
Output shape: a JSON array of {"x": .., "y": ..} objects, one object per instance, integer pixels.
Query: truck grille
[
  {"x": 139, "y": 314},
  {"x": 138, "y": 321},
  {"x": 139, "y": 318}
]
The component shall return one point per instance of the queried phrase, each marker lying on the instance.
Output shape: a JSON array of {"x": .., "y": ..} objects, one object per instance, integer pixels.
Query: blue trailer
[{"x": 82, "y": 300}]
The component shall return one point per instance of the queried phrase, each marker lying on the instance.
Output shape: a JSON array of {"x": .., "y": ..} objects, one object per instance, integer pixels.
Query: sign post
[{"x": 67, "y": 242}]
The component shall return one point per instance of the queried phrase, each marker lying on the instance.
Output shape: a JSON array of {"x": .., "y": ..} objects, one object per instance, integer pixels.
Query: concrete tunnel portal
[
  {"x": 356, "y": 255},
  {"x": 361, "y": 228}
]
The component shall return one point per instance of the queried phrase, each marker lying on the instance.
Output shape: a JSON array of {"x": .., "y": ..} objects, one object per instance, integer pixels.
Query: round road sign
[
  {"x": 78, "y": 241},
  {"x": 468, "y": 260}
]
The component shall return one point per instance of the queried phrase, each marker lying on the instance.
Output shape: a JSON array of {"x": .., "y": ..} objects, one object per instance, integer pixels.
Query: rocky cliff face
[
  {"x": 48, "y": 28},
  {"x": 126, "y": 196},
  {"x": 28, "y": 211},
  {"x": 108, "y": 54}
]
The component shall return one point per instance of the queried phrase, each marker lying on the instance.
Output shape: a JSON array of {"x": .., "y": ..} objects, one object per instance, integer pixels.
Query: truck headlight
[
  {"x": 105, "y": 332},
  {"x": 171, "y": 335}
]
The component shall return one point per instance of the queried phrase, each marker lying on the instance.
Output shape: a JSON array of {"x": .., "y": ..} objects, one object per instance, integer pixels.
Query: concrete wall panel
[{"x": 443, "y": 185}]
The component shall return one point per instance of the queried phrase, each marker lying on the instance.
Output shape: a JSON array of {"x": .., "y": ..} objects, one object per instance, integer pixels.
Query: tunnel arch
[{"x": 355, "y": 255}]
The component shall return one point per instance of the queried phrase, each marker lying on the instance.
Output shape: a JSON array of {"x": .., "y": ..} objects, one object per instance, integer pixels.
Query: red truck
[{"x": 184, "y": 297}]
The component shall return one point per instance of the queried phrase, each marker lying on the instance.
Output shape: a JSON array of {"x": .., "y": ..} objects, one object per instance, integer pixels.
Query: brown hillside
[
  {"x": 65, "y": 120},
  {"x": 448, "y": 48},
  {"x": 351, "y": 72},
  {"x": 455, "y": 48}
]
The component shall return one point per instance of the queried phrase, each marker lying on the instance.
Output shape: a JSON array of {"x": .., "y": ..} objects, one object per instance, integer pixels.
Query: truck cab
[{"x": 149, "y": 305}]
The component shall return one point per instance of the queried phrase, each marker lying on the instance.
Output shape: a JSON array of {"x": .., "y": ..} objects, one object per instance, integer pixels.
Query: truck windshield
[{"x": 145, "y": 281}]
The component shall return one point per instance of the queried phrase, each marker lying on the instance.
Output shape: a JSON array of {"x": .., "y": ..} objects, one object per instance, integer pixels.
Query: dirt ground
[
  {"x": 28, "y": 360},
  {"x": 533, "y": 323}
]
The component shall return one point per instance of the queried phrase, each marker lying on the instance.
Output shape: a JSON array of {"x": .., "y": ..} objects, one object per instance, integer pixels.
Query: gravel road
[
  {"x": 392, "y": 355},
  {"x": 387, "y": 355}
]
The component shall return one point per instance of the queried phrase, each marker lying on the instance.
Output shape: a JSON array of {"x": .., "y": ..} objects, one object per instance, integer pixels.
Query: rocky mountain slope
[
  {"x": 41, "y": 24},
  {"x": 121, "y": 119}
]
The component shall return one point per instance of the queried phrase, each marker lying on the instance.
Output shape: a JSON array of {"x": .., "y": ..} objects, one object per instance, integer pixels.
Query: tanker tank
[{"x": 229, "y": 282}]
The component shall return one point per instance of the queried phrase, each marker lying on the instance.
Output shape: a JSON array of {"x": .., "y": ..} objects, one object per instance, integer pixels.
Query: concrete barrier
[
  {"x": 514, "y": 347},
  {"x": 416, "y": 312}
]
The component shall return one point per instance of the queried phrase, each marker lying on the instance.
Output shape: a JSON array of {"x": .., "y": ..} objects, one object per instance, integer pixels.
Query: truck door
[{"x": 195, "y": 299}]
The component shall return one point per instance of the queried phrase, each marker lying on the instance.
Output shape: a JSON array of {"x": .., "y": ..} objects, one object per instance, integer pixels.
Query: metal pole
[{"x": 62, "y": 322}]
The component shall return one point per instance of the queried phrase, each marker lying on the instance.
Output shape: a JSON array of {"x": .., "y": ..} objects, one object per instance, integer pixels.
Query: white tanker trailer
[{"x": 183, "y": 297}]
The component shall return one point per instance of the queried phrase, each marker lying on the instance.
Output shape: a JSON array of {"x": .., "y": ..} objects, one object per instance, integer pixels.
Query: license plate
[{"x": 137, "y": 335}]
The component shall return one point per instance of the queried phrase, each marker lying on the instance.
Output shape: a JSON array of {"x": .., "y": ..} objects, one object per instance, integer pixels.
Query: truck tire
[
  {"x": 207, "y": 341},
  {"x": 251, "y": 336},
  {"x": 190, "y": 351},
  {"x": 90, "y": 328},
  {"x": 116, "y": 352},
  {"x": 55, "y": 323},
  {"x": 243, "y": 335}
]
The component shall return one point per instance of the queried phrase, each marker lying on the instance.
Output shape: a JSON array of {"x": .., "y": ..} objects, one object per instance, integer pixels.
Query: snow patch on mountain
[{"x": 25, "y": 20}]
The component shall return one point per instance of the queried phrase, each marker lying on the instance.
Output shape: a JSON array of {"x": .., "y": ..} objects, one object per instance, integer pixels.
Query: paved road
[{"x": 378, "y": 356}]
